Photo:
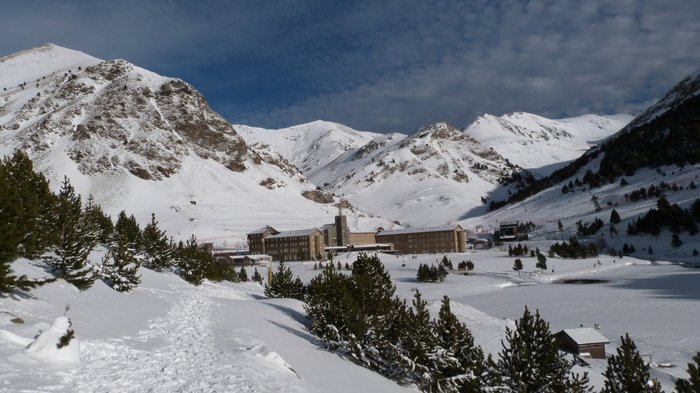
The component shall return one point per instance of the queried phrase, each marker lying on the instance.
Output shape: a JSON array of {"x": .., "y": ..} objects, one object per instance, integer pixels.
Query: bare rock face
[
  {"x": 113, "y": 116},
  {"x": 318, "y": 196}
]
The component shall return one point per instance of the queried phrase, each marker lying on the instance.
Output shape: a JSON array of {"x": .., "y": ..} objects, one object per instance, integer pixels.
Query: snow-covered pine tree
[
  {"x": 420, "y": 344},
  {"x": 326, "y": 306},
  {"x": 460, "y": 366},
  {"x": 284, "y": 284},
  {"x": 627, "y": 372},
  {"x": 73, "y": 240},
  {"x": 158, "y": 250},
  {"x": 531, "y": 361},
  {"x": 692, "y": 384},
  {"x": 120, "y": 267},
  {"x": 193, "y": 261}
]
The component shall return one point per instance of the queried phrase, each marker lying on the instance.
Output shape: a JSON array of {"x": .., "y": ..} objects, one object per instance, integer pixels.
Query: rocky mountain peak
[
  {"x": 441, "y": 130},
  {"x": 113, "y": 115}
]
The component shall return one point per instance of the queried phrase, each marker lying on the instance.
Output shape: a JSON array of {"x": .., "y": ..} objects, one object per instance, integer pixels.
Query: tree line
[
  {"x": 61, "y": 230},
  {"x": 359, "y": 315}
]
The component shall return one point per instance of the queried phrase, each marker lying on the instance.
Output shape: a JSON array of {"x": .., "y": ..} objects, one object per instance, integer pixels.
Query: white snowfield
[{"x": 169, "y": 336}]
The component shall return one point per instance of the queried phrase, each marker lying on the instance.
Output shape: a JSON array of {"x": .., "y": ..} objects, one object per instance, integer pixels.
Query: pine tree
[
  {"x": 423, "y": 273},
  {"x": 695, "y": 209},
  {"x": 120, "y": 267},
  {"x": 243, "y": 275},
  {"x": 626, "y": 371},
  {"x": 327, "y": 308},
  {"x": 446, "y": 262},
  {"x": 370, "y": 300},
  {"x": 257, "y": 277},
  {"x": 29, "y": 204},
  {"x": 615, "y": 217},
  {"x": 98, "y": 222},
  {"x": 676, "y": 241},
  {"x": 193, "y": 261},
  {"x": 531, "y": 361},
  {"x": 158, "y": 250},
  {"x": 25, "y": 201},
  {"x": 284, "y": 284},
  {"x": 128, "y": 227},
  {"x": 420, "y": 343},
  {"x": 518, "y": 265},
  {"x": 541, "y": 261},
  {"x": 74, "y": 241},
  {"x": 692, "y": 384},
  {"x": 461, "y": 364}
]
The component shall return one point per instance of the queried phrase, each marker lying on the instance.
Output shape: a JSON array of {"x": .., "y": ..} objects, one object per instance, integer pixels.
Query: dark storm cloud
[{"x": 385, "y": 65}]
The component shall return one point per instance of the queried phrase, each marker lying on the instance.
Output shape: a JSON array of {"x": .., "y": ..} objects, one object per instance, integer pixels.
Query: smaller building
[
  {"x": 357, "y": 238},
  {"x": 508, "y": 231},
  {"x": 583, "y": 341}
]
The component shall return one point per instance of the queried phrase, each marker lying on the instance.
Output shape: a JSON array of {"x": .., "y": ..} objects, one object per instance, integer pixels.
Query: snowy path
[{"x": 183, "y": 355}]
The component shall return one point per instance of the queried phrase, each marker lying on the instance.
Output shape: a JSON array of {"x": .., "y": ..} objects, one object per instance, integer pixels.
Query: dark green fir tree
[
  {"x": 158, "y": 250},
  {"x": 99, "y": 222},
  {"x": 257, "y": 277},
  {"x": 120, "y": 267},
  {"x": 627, "y": 372},
  {"x": 193, "y": 261},
  {"x": 243, "y": 275},
  {"x": 692, "y": 384},
  {"x": 518, "y": 265},
  {"x": 29, "y": 203},
  {"x": 74, "y": 240},
  {"x": 460, "y": 364},
  {"x": 530, "y": 360},
  {"x": 615, "y": 217},
  {"x": 420, "y": 344},
  {"x": 284, "y": 284},
  {"x": 127, "y": 227}
]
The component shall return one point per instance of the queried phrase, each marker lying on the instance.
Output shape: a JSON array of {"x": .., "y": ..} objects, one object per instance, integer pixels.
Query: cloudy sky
[{"x": 391, "y": 65}]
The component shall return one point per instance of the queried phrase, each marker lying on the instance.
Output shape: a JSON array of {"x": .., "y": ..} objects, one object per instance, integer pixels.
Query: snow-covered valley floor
[{"x": 169, "y": 336}]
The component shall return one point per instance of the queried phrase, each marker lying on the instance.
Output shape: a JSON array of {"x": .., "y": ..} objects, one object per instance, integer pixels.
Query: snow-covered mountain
[
  {"x": 438, "y": 173},
  {"x": 427, "y": 178},
  {"x": 310, "y": 147},
  {"x": 542, "y": 145},
  {"x": 146, "y": 143}
]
